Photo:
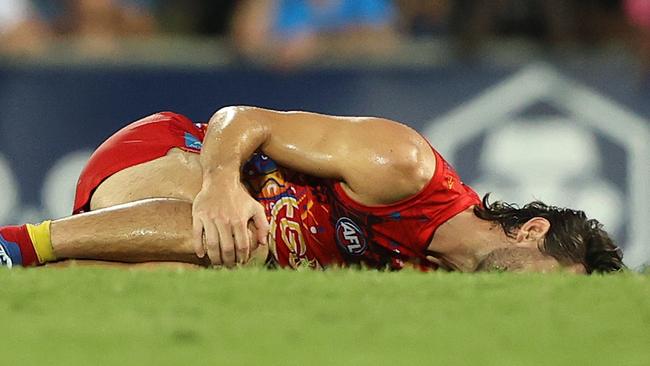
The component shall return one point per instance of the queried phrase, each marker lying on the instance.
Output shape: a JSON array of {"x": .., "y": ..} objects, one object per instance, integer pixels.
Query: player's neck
[{"x": 463, "y": 241}]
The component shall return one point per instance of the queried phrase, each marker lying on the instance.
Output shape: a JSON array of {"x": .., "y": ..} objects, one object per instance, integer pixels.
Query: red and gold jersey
[{"x": 314, "y": 222}]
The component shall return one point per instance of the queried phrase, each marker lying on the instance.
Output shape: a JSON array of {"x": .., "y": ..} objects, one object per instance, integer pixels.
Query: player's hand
[{"x": 221, "y": 215}]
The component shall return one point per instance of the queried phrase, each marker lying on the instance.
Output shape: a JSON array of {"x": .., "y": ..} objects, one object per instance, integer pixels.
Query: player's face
[
  {"x": 526, "y": 260},
  {"x": 540, "y": 262}
]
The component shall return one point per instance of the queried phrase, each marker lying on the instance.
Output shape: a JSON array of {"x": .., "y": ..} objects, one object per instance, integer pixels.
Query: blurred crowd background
[{"x": 291, "y": 33}]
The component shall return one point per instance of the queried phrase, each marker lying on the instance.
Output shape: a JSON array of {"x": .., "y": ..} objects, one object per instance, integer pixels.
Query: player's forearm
[{"x": 234, "y": 133}]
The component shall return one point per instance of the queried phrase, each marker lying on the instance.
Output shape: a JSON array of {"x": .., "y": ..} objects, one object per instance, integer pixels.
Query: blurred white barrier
[{"x": 57, "y": 193}]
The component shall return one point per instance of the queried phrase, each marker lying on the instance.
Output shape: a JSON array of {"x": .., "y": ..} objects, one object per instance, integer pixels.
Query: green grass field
[{"x": 85, "y": 316}]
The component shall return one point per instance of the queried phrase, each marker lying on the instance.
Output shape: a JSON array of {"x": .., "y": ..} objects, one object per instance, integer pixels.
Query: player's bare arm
[{"x": 378, "y": 160}]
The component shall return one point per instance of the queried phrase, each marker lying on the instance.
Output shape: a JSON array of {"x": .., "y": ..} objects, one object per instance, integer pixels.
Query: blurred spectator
[
  {"x": 424, "y": 17},
  {"x": 288, "y": 33},
  {"x": 197, "y": 17},
  {"x": 539, "y": 20},
  {"x": 638, "y": 14},
  {"x": 98, "y": 25},
  {"x": 21, "y": 30},
  {"x": 550, "y": 22}
]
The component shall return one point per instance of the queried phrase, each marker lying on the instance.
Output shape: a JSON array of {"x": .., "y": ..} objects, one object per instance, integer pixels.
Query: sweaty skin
[
  {"x": 355, "y": 150},
  {"x": 148, "y": 230}
]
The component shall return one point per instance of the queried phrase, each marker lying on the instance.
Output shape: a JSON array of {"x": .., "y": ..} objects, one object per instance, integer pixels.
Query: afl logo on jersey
[{"x": 349, "y": 237}]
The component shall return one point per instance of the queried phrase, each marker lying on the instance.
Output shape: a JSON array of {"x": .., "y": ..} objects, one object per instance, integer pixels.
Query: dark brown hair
[{"x": 571, "y": 238}]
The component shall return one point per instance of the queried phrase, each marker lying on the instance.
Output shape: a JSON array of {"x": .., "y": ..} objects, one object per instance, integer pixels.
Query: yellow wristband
[{"x": 40, "y": 235}]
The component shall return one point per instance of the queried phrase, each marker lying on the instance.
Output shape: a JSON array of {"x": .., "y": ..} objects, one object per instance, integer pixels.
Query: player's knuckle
[
  {"x": 212, "y": 244},
  {"x": 228, "y": 252},
  {"x": 263, "y": 222},
  {"x": 213, "y": 253},
  {"x": 242, "y": 248},
  {"x": 215, "y": 258}
]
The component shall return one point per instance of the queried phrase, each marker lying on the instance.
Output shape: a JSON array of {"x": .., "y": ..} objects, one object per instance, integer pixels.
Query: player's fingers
[
  {"x": 251, "y": 232},
  {"x": 241, "y": 242},
  {"x": 212, "y": 242},
  {"x": 197, "y": 237},
  {"x": 261, "y": 225},
  {"x": 226, "y": 243}
]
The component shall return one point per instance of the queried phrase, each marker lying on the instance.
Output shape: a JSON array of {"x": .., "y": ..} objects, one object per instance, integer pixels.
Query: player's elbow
[
  {"x": 415, "y": 175},
  {"x": 239, "y": 116},
  {"x": 228, "y": 112},
  {"x": 412, "y": 170}
]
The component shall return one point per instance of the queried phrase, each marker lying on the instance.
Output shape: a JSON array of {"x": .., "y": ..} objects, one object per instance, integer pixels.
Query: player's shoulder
[
  {"x": 419, "y": 165},
  {"x": 405, "y": 163},
  {"x": 414, "y": 155}
]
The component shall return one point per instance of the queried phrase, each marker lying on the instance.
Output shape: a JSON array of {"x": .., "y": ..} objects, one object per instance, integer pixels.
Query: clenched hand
[{"x": 221, "y": 215}]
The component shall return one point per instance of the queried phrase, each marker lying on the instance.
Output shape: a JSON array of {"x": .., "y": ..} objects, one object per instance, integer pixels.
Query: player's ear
[{"x": 532, "y": 232}]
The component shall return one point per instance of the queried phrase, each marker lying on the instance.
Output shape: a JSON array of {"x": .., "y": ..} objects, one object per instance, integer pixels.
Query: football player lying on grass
[{"x": 298, "y": 188}]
